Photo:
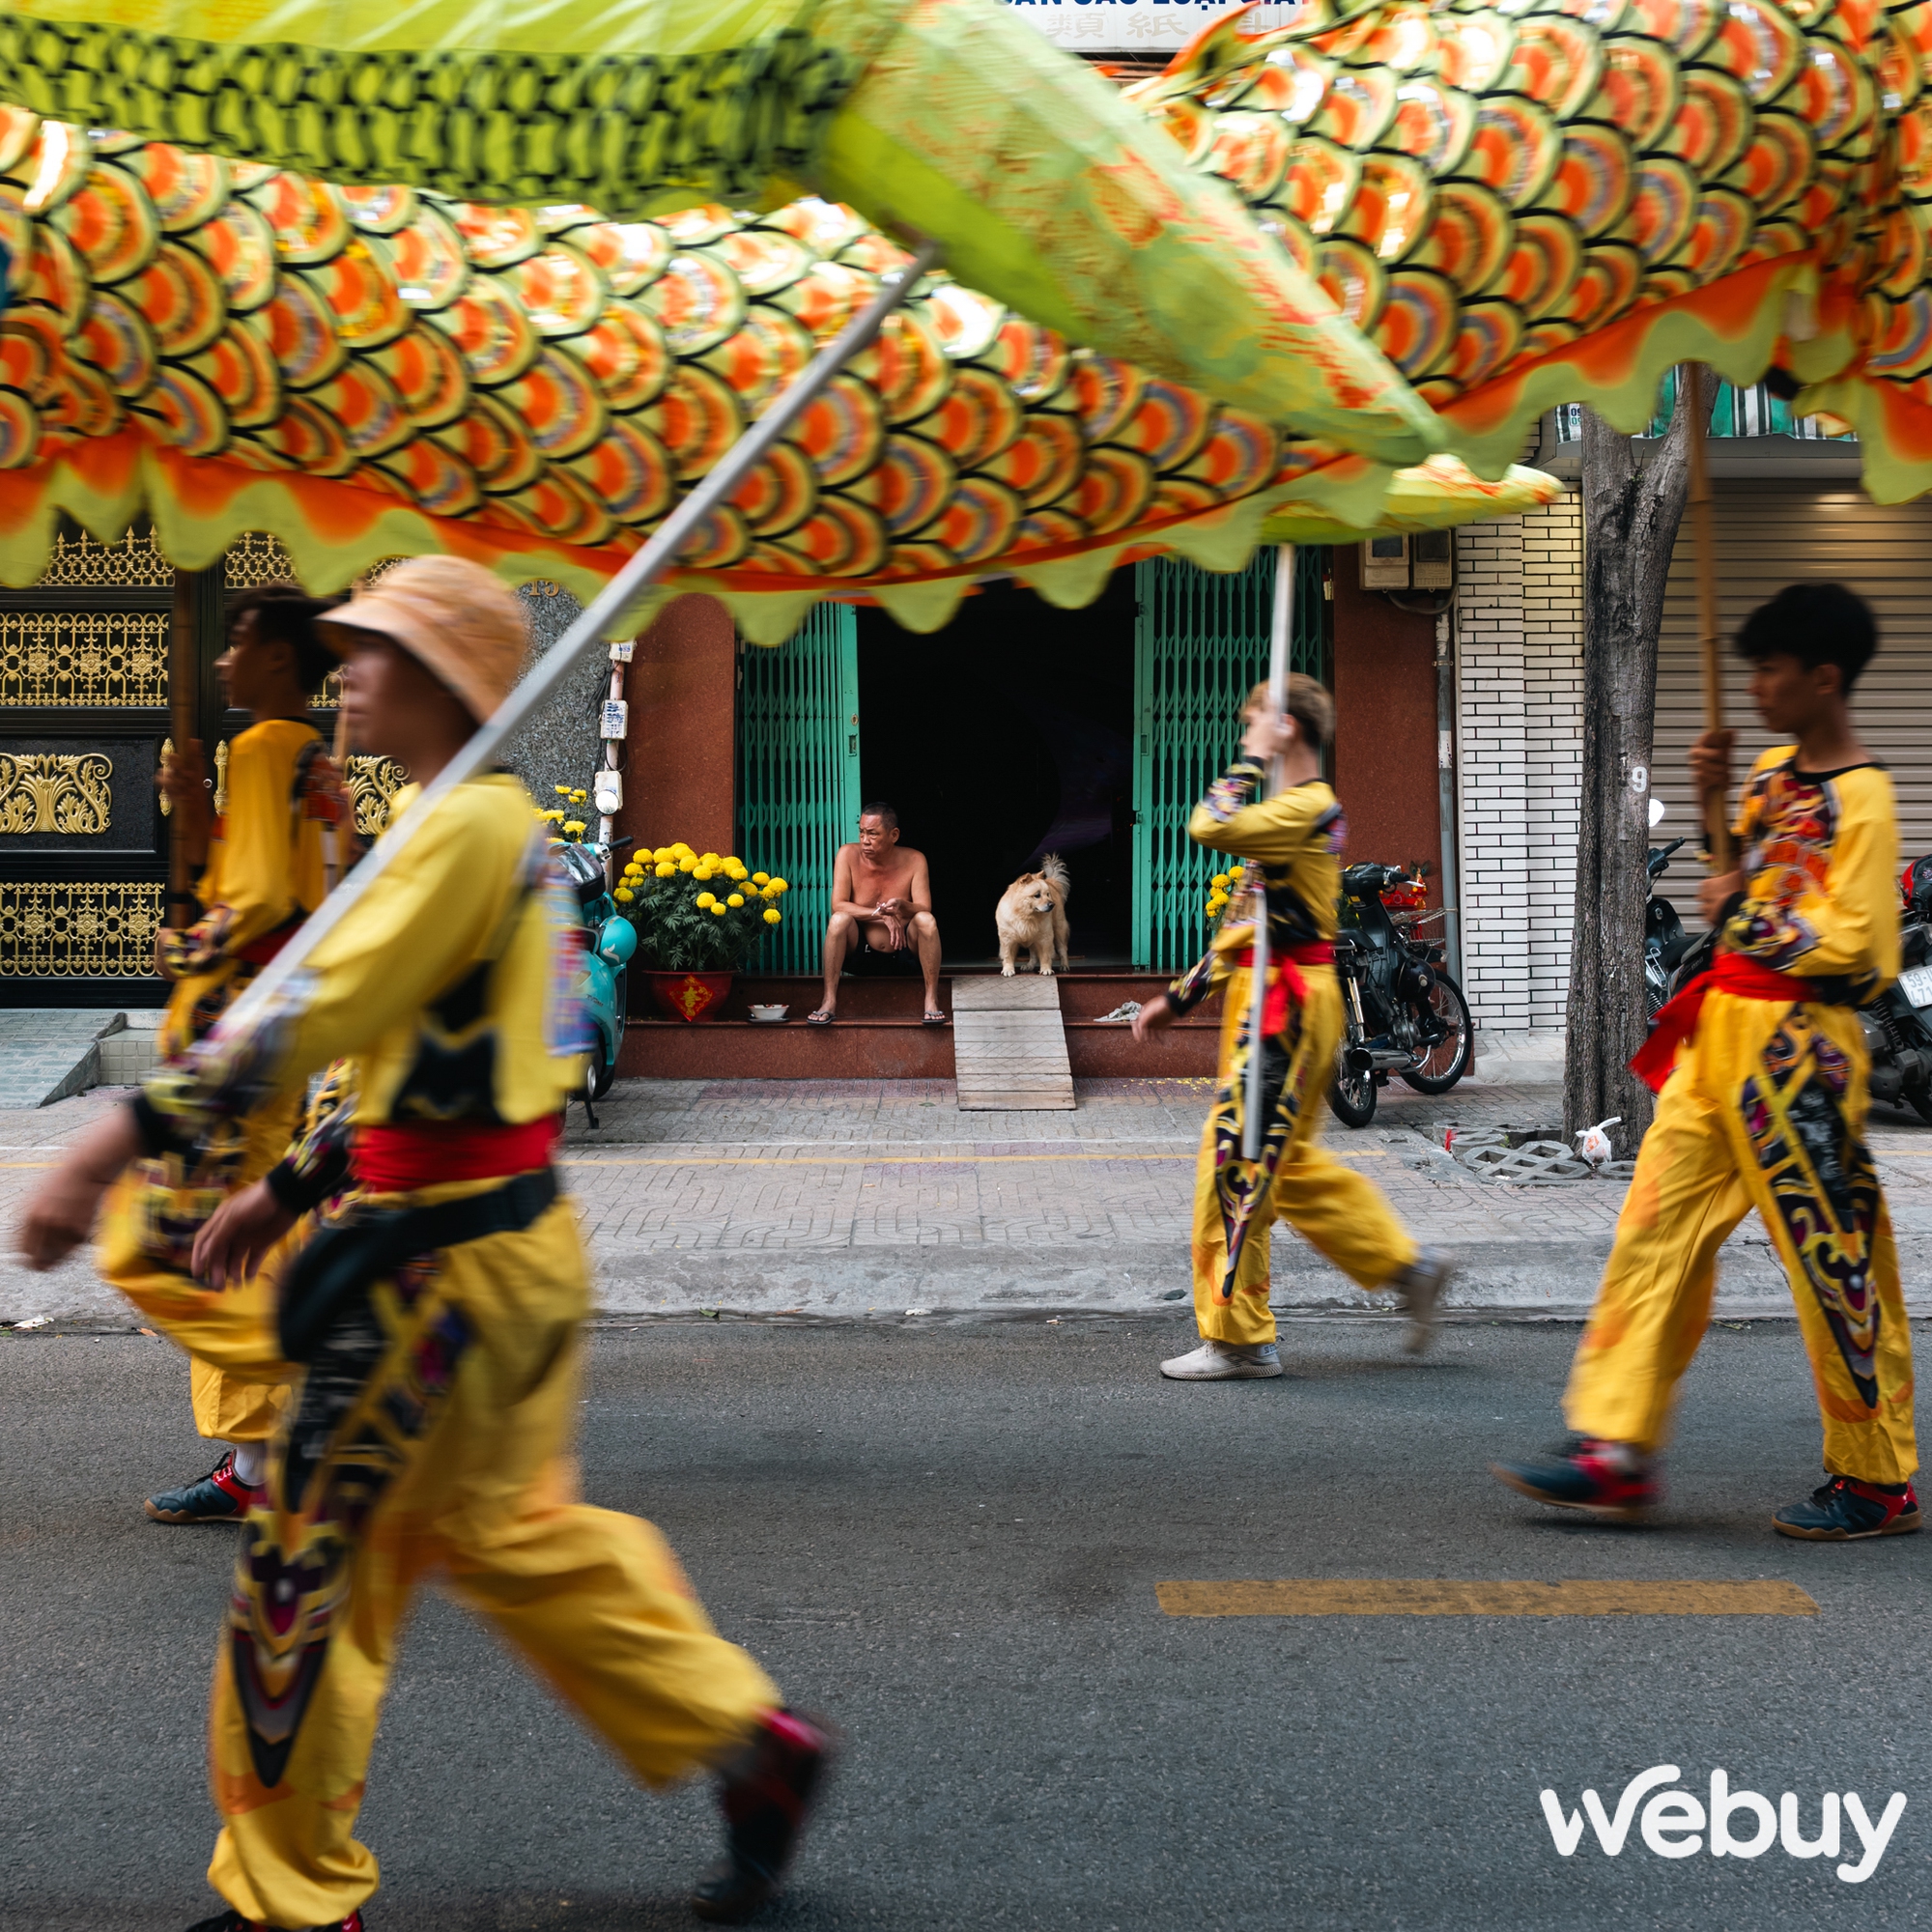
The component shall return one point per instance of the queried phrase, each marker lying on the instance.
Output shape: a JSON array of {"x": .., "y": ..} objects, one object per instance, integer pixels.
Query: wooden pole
[
  {"x": 1252, "y": 881},
  {"x": 184, "y": 686},
  {"x": 1717, "y": 803}
]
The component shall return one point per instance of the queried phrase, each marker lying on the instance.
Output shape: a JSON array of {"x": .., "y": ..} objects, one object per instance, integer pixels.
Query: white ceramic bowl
[{"x": 768, "y": 1014}]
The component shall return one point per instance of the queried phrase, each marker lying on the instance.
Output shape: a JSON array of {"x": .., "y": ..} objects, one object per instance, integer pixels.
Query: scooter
[
  {"x": 1899, "y": 1023},
  {"x": 1401, "y": 1012},
  {"x": 608, "y": 942},
  {"x": 1664, "y": 940}
]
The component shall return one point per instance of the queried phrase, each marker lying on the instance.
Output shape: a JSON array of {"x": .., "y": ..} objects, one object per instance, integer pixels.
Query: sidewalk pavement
[{"x": 879, "y": 1199}]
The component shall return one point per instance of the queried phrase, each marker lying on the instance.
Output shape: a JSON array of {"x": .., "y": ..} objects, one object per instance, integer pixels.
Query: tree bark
[{"x": 1634, "y": 498}]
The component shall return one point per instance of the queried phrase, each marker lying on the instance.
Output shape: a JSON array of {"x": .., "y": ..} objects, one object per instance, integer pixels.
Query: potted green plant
[{"x": 700, "y": 917}]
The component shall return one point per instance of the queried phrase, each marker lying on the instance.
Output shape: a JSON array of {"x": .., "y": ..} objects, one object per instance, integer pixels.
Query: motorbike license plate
[{"x": 1916, "y": 983}]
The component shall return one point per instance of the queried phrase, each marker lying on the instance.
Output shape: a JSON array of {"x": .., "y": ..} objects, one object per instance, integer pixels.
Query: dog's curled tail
[{"x": 1053, "y": 869}]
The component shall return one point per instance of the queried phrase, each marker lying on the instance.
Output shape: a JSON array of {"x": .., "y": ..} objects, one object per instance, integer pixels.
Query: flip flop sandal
[
  {"x": 933, "y": 1019},
  {"x": 824, "y": 1016}
]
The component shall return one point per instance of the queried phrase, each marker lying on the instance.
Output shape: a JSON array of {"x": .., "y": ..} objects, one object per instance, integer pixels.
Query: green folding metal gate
[
  {"x": 798, "y": 773},
  {"x": 1201, "y": 641}
]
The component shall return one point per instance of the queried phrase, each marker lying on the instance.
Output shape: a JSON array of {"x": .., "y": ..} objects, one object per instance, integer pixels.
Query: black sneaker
[
  {"x": 1582, "y": 1474},
  {"x": 1845, "y": 1510},
  {"x": 220, "y": 1496},
  {"x": 766, "y": 1798},
  {"x": 232, "y": 1920}
]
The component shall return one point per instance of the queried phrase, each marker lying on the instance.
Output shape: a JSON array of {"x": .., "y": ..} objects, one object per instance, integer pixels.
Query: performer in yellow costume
[
  {"x": 437, "y": 1312},
  {"x": 1761, "y": 1066},
  {"x": 262, "y": 875},
  {"x": 1293, "y": 841}
]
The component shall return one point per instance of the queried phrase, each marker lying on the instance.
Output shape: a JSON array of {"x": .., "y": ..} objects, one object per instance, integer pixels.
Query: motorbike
[
  {"x": 1899, "y": 1023},
  {"x": 609, "y": 941},
  {"x": 1664, "y": 940},
  {"x": 1402, "y": 1011}
]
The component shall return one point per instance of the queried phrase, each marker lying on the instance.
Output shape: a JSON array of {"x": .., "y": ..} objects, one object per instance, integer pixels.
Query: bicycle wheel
[{"x": 1449, "y": 1058}]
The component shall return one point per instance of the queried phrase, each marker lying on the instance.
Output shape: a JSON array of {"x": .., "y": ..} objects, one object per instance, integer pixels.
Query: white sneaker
[
  {"x": 1420, "y": 1287},
  {"x": 1224, "y": 1362}
]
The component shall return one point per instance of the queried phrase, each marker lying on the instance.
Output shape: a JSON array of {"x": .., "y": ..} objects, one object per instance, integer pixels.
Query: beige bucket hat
[{"x": 459, "y": 621}]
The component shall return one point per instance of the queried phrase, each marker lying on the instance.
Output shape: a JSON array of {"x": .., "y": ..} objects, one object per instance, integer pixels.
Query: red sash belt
[
  {"x": 1286, "y": 981},
  {"x": 1677, "y": 1019},
  {"x": 259, "y": 952},
  {"x": 395, "y": 1157}
]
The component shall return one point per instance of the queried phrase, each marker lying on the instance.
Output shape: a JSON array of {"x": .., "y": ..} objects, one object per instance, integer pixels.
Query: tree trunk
[{"x": 1634, "y": 498}]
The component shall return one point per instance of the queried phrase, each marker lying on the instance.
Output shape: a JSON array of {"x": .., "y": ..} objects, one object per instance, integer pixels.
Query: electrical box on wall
[
  {"x": 1431, "y": 559},
  {"x": 1424, "y": 561},
  {"x": 1385, "y": 563}
]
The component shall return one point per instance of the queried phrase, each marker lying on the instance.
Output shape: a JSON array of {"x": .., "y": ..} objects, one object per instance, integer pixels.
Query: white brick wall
[{"x": 1519, "y": 740}]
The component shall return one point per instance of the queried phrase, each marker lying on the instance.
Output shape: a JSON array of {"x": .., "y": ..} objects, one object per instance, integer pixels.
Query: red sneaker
[
  {"x": 768, "y": 1793},
  {"x": 219, "y": 1497},
  {"x": 1585, "y": 1474},
  {"x": 1846, "y": 1510}
]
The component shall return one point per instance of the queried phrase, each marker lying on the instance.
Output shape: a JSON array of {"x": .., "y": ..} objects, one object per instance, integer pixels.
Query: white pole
[
  {"x": 1252, "y": 880},
  {"x": 644, "y": 568}
]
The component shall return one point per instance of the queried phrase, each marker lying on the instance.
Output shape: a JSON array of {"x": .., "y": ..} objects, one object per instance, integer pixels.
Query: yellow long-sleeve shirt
[
  {"x": 445, "y": 985},
  {"x": 265, "y": 868},
  {"x": 1820, "y": 854},
  {"x": 1296, "y": 838}
]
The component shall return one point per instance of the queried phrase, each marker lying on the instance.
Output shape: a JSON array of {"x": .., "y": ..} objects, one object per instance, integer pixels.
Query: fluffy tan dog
[{"x": 1032, "y": 914}]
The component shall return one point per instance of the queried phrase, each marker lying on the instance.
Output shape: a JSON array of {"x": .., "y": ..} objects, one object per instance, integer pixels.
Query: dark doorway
[{"x": 1003, "y": 737}]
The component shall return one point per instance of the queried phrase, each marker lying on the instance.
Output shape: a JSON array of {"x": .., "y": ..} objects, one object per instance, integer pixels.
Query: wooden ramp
[{"x": 1009, "y": 1045}]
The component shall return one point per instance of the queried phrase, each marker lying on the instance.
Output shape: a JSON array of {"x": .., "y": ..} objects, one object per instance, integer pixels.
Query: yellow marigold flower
[
  {"x": 780, "y": 886},
  {"x": 772, "y": 916},
  {"x": 709, "y": 858},
  {"x": 706, "y": 900},
  {"x": 662, "y": 853},
  {"x": 1219, "y": 880},
  {"x": 731, "y": 859},
  {"x": 579, "y": 795},
  {"x": 681, "y": 848},
  {"x": 701, "y": 871},
  {"x": 718, "y": 908},
  {"x": 623, "y": 895},
  {"x": 573, "y": 826},
  {"x": 687, "y": 864},
  {"x": 562, "y": 791},
  {"x": 735, "y": 899},
  {"x": 761, "y": 878},
  {"x": 666, "y": 870}
]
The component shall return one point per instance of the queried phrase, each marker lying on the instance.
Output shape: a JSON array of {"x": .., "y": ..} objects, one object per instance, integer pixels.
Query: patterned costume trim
[
  {"x": 1241, "y": 1186},
  {"x": 373, "y": 1392},
  {"x": 1790, "y": 822},
  {"x": 1822, "y": 1178}
]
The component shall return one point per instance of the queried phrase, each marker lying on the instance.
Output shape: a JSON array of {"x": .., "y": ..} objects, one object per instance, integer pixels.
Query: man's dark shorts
[{"x": 864, "y": 962}]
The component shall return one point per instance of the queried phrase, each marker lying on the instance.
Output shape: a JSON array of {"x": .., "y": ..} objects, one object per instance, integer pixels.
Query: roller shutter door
[{"x": 1771, "y": 534}]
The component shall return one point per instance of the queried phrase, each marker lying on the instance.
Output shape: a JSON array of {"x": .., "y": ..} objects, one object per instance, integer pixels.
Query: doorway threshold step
[{"x": 1010, "y": 1045}]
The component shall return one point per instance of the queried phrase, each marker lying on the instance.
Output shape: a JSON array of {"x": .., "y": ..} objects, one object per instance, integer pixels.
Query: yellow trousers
[
  {"x": 149, "y": 1225},
  {"x": 1765, "y": 1109},
  {"x": 432, "y": 1440},
  {"x": 1343, "y": 1215}
]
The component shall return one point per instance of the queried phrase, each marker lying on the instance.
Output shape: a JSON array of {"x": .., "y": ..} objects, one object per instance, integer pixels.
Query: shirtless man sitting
[{"x": 881, "y": 912}]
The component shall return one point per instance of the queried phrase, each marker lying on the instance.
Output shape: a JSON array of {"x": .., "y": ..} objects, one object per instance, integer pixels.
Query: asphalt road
[{"x": 949, "y": 1538}]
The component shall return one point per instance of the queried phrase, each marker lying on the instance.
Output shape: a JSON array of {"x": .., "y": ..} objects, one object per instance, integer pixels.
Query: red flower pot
[{"x": 690, "y": 996}]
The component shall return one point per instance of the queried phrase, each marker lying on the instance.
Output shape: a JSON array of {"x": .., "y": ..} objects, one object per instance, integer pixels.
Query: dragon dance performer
[
  {"x": 1761, "y": 1066},
  {"x": 437, "y": 1314},
  {"x": 1294, "y": 840},
  {"x": 261, "y": 875}
]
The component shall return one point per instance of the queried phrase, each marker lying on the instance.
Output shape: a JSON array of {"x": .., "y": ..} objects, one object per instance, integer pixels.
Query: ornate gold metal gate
[{"x": 83, "y": 718}]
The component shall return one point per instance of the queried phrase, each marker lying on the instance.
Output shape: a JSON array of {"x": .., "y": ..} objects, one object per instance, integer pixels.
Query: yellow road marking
[{"x": 1429, "y": 1597}]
